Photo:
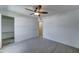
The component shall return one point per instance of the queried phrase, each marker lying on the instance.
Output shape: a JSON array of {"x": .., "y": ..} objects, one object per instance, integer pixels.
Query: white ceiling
[
  {"x": 61, "y": 9},
  {"x": 51, "y": 9}
]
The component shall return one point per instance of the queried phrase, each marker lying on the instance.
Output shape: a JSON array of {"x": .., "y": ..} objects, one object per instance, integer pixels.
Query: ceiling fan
[{"x": 38, "y": 10}]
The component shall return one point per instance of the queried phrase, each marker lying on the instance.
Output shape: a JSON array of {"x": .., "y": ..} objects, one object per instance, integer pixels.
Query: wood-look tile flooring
[{"x": 36, "y": 45}]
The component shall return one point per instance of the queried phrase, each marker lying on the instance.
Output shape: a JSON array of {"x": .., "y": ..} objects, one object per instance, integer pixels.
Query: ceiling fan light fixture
[{"x": 37, "y": 14}]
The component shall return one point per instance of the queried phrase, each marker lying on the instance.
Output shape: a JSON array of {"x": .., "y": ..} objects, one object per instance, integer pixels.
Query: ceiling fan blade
[
  {"x": 29, "y": 9},
  {"x": 35, "y": 10},
  {"x": 31, "y": 13},
  {"x": 44, "y": 12},
  {"x": 39, "y": 7}
]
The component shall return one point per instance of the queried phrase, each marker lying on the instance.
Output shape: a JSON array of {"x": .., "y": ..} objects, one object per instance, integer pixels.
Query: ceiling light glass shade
[{"x": 36, "y": 14}]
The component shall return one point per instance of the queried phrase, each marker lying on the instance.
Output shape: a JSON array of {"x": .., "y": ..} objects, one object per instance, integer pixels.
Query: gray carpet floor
[{"x": 36, "y": 45}]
